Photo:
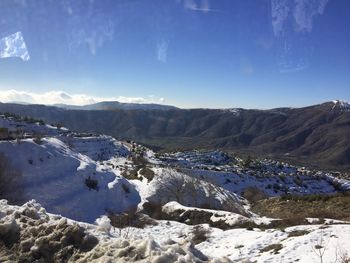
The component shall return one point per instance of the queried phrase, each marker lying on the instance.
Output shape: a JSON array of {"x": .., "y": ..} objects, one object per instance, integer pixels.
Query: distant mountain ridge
[
  {"x": 317, "y": 134},
  {"x": 116, "y": 105}
]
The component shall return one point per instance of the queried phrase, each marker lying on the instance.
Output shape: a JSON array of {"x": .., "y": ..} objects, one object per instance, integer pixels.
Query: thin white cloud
[
  {"x": 61, "y": 97},
  {"x": 293, "y": 66},
  {"x": 292, "y": 20},
  {"x": 91, "y": 29},
  {"x": 14, "y": 46},
  {"x": 279, "y": 13},
  {"x": 299, "y": 13},
  {"x": 199, "y": 5},
  {"x": 162, "y": 51},
  {"x": 305, "y": 11}
]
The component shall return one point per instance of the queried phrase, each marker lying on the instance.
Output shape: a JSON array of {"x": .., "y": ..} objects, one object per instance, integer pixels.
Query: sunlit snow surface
[{"x": 14, "y": 46}]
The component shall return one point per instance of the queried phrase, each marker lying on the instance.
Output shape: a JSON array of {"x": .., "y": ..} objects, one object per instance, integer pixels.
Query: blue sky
[{"x": 189, "y": 53}]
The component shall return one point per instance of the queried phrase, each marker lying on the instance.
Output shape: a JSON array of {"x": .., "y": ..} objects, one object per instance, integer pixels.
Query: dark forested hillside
[{"x": 317, "y": 134}]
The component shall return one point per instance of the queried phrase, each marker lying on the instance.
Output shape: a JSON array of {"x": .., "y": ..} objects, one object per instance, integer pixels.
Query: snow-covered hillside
[
  {"x": 193, "y": 158},
  {"x": 98, "y": 148},
  {"x": 271, "y": 185},
  {"x": 271, "y": 177},
  {"x": 171, "y": 185},
  {"x": 57, "y": 176},
  {"x": 60, "y": 169},
  {"x": 32, "y": 126},
  {"x": 174, "y": 207}
]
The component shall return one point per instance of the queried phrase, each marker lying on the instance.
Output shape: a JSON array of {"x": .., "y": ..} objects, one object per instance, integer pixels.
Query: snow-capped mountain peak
[{"x": 341, "y": 105}]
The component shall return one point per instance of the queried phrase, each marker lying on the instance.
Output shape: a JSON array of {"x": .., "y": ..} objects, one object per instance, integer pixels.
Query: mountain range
[
  {"x": 116, "y": 105},
  {"x": 315, "y": 135}
]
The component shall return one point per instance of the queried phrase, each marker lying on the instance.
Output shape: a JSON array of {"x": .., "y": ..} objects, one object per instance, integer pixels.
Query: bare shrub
[
  {"x": 298, "y": 233},
  {"x": 91, "y": 183},
  {"x": 153, "y": 209},
  {"x": 344, "y": 258},
  {"x": 274, "y": 248},
  {"x": 253, "y": 194},
  {"x": 298, "y": 181},
  {"x": 170, "y": 187},
  {"x": 199, "y": 234},
  {"x": 147, "y": 173},
  {"x": 130, "y": 174},
  {"x": 123, "y": 221},
  {"x": 247, "y": 163},
  {"x": 321, "y": 246},
  {"x": 337, "y": 186},
  {"x": 126, "y": 188},
  {"x": 37, "y": 138},
  {"x": 139, "y": 160}
]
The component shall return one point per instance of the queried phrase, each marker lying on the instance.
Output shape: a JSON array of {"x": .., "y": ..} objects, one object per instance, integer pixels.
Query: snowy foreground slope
[{"x": 33, "y": 235}]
